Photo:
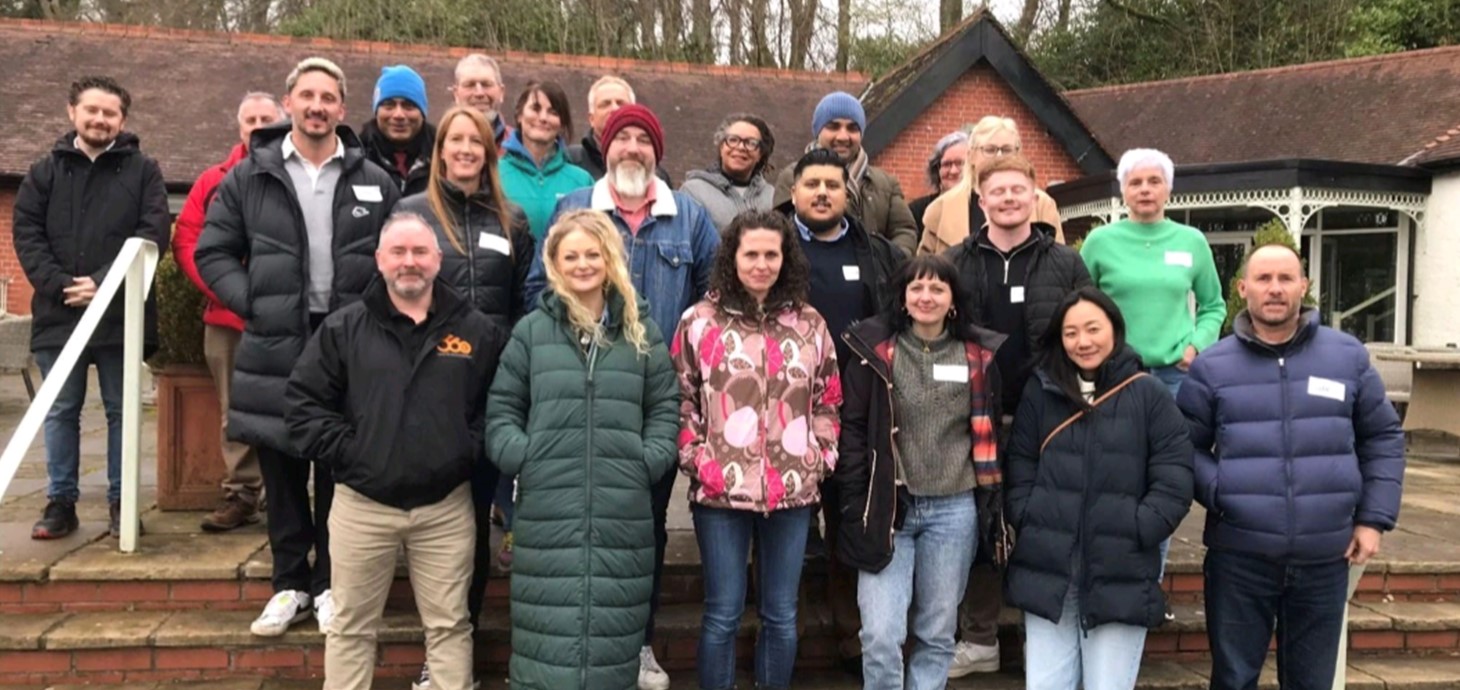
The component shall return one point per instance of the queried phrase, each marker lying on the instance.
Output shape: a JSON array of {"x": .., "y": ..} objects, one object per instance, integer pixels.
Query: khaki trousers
[
  {"x": 244, "y": 479},
  {"x": 439, "y": 540}
]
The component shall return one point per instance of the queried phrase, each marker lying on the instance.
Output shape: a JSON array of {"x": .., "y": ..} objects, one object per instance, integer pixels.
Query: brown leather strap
[{"x": 1096, "y": 403}]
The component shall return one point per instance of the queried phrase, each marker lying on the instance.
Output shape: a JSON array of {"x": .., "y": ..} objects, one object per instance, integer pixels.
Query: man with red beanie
[
  {"x": 222, "y": 329},
  {"x": 670, "y": 242}
]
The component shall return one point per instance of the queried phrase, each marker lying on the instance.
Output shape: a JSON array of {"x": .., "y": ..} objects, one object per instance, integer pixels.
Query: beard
[
  {"x": 410, "y": 291},
  {"x": 1289, "y": 313},
  {"x": 820, "y": 226},
  {"x": 630, "y": 179},
  {"x": 90, "y": 138}
]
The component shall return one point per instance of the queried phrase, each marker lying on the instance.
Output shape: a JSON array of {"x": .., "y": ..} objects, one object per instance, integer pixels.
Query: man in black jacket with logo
[
  {"x": 290, "y": 237},
  {"x": 391, "y": 393},
  {"x": 76, "y": 207}
]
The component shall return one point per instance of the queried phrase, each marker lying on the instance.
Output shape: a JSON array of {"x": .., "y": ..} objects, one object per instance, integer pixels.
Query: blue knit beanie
[
  {"x": 400, "y": 81},
  {"x": 837, "y": 105}
]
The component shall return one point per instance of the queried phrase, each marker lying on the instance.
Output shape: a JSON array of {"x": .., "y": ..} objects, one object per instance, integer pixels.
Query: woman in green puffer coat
[{"x": 584, "y": 410}]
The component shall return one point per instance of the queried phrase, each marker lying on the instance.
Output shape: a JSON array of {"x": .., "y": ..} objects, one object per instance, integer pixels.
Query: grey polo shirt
[{"x": 315, "y": 188}]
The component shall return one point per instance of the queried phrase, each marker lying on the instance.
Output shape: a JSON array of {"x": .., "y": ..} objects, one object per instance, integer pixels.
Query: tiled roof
[
  {"x": 1442, "y": 151},
  {"x": 1379, "y": 109},
  {"x": 185, "y": 88}
]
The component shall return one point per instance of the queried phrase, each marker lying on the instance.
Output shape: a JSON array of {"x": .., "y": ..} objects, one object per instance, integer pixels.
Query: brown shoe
[{"x": 232, "y": 514}]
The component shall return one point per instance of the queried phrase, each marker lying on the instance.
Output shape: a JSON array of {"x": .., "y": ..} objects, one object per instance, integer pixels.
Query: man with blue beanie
[
  {"x": 875, "y": 197},
  {"x": 400, "y": 138}
]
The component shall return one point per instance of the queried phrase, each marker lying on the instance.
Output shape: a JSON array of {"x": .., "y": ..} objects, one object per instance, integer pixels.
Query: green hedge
[
  {"x": 179, "y": 316},
  {"x": 1272, "y": 232}
]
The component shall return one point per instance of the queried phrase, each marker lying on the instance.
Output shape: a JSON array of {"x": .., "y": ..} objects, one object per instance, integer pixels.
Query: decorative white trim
[{"x": 1294, "y": 205}]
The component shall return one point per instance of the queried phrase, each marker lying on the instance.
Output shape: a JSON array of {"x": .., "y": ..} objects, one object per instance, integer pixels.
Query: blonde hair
[
  {"x": 979, "y": 133},
  {"x": 596, "y": 225},
  {"x": 315, "y": 64},
  {"x": 491, "y": 181}
]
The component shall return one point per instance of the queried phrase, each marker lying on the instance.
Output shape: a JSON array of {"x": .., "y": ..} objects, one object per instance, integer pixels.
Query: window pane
[
  {"x": 1359, "y": 276},
  {"x": 1353, "y": 218}
]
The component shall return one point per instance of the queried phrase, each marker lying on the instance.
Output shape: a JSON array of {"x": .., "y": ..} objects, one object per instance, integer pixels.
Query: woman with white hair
[
  {"x": 1151, "y": 265},
  {"x": 954, "y": 215},
  {"x": 944, "y": 171}
]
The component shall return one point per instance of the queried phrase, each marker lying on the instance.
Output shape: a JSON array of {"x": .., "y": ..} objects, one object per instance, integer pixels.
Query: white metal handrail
[{"x": 135, "y": 266}]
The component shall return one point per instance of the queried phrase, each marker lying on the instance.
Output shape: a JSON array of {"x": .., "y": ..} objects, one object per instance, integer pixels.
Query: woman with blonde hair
[
  {"x": 956, "y": 214},
  {"x": 584, "y": 411}
]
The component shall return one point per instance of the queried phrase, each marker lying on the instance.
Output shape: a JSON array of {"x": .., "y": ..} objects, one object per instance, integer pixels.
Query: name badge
[
  {"x": 852, "y": 272},
  {"x": 368, "y": 193},
  {"x": 1326, "y": 388},
  {"x": 952, "y": 373},
  {"x": 1178, "y": 259},
  {"x": 1016, "y": 294},
  {"x": 496, "y": 243}
]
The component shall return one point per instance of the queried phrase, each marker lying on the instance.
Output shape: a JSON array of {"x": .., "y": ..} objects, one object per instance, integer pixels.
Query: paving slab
[
  {"x": 1429, "y": 520},
  {"x": 118, "y": 686},
  {"x": 26, "y": 630},
  {"x": 106, "y": 629},
  {"x": 230, "y": 629},
  {"x": 1413, "y": 674},
  {"x": 190, "y": 522},
  {"x": 26, "y": 559},
  {"x": 1408, "y": 615},
  {"x": 162, "y": 557},
  {"x": 1404, "y": 551}
]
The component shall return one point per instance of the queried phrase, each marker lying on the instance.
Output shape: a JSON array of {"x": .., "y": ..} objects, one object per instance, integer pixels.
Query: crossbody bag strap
[{"x": 1096, "y": 403}]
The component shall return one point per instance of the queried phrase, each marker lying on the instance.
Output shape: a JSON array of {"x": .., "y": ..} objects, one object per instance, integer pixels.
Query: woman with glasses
[
  {"x": 944, "y": 170},
  {"x": 954, "y": 215},
  {"x": 735, "y": 184}
]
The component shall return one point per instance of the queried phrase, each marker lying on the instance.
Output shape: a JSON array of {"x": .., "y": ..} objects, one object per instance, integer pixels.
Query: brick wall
[
  {"x": 18, "y": 301},
  {"x": 979, "y": 92}
]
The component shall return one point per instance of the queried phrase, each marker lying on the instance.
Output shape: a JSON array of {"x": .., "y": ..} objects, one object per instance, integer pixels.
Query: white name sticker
[
  {"x": 496, "y": 243},
  {"x": 852, "y": 272},
  {"x": 1178, "y": 259},
  {"x": 950, "y": 372},
  {"x": 1326, "y": 388},
  {"x": 1016, "y": 294},
  {"x": 368, "y": 193}
]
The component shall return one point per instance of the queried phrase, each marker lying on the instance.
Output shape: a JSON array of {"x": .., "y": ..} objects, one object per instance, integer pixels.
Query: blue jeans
[
  {"x": 1247, "y": 595},
  {"x": 1171, "y": 376},
  {"x": 931, "y": 556},
  {"x": 724, "y": 538},
  {"x": 1061, "y": 656},
  {"x": 63, "y": 422}
]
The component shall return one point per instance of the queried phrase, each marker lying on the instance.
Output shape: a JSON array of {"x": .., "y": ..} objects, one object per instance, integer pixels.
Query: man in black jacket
[
  {"x": 850, "y": 271},
  {"x": 605, "y": 97},
  {"x": 76, "y": 207},
  {"x": 290, "y": 237},
  {"x": 1015, "y": 275},
  {"x": 399, "y": 138},
  {"x": 391, "y": 392}
]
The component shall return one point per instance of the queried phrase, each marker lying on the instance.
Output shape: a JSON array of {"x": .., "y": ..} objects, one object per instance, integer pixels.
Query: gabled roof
[
  {"x": 1441, "y": 152},
  {"x": 1379, "y": 109},
  {"x": 186, "y": 85},
  {"x": 897, "y": 99}
]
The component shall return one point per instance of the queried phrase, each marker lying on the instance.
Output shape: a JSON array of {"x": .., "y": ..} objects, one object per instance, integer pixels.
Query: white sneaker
[
  {"x": 324, "y": 611},
  {"x": 974, "y": 658},
  {"x": 424, "y": 682},
  {"x": 651, "y": 676},
  {"x": 285, "y": 609}
]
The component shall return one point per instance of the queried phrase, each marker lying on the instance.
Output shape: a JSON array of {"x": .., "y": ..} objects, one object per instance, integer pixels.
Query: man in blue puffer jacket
[{"x": 1299, "y": 463}]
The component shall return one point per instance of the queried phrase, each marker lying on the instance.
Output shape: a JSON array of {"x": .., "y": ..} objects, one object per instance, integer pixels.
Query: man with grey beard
[{"x": 670, "y": 244}]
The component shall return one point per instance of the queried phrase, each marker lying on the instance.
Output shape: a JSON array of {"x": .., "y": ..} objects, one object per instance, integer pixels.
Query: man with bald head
[
  {"x": 391, "y": 391},
  {"x": 1300, "y": 464}
]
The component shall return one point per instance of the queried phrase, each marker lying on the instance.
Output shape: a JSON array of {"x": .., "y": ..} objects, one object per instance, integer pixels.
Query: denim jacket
[{"x": 669, "y": 258}]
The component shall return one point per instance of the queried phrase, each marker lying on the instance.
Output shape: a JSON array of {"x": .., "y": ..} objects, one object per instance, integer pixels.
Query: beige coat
[{"x": 945, "y": 223}]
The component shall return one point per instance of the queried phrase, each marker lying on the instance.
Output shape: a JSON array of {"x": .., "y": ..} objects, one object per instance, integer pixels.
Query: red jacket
[{"x": 190, "y": 227}]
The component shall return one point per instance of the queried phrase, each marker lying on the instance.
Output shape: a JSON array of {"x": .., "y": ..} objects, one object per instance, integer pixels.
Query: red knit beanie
[{"x": 633, "y": 115}]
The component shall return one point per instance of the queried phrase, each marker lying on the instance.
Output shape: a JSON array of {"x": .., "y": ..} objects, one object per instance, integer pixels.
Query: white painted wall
[{"x": 1437, "y": 266}]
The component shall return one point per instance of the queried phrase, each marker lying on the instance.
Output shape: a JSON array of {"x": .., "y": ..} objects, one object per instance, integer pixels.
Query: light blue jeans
[
  {"x": 1060, "y": 656},
  {"x": 931, "y": 556},
  {"x": 1173, "y": 377}
]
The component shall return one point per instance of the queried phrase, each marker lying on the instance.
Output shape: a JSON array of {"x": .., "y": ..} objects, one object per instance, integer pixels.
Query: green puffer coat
[{"x": 586, "y": 433}]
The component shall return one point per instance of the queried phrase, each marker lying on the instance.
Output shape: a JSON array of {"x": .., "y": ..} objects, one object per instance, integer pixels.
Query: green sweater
[{"x": 1149, "y": 269}]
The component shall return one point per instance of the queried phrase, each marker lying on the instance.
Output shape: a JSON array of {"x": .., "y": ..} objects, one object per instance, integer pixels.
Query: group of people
[{"x": 435, "y": 319}]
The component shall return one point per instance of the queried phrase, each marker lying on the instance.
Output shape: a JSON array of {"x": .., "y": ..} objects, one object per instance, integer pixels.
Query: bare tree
[
  {"x": 844, "y": 34},
  {"x": 950, "y": 12},
  {"x": 1025, "y": 28},
  {"x": 760, "y": 53},
  {"x": 803, "y": 25}
]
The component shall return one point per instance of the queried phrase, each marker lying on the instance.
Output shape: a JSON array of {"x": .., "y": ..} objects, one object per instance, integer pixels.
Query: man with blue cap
[
  {"x": 400, "y": 138},
  {"x": 875, "y": 197}
]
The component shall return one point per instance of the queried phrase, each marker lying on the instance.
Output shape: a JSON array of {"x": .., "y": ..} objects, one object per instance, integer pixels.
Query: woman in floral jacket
[{"x": 758, "y": 428}]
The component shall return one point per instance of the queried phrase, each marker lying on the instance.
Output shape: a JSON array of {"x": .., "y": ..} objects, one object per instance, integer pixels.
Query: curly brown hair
[{"x": 794, "y": 281}]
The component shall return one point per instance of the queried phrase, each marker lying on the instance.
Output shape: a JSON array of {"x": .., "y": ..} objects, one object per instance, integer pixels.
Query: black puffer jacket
[
  {"x": 1104, "y": 493},
  {"x": 72, "y": 216},
  {"x": 491, "y": 280},
  {"x": 381, "y": 152},
  {"x": 254, "y": 254},
  {"x": 401, "y": 426},
  {"x": 1055, "y": 271}
]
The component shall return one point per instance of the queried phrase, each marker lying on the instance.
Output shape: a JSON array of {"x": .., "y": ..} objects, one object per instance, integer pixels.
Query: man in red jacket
[{"x": 222, "y": 328}]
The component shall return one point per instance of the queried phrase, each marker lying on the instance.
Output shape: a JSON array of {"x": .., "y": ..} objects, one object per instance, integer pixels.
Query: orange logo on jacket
[{"x": 452, "y": 345}]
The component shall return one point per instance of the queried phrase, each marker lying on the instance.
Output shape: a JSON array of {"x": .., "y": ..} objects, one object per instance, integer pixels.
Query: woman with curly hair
[
  {"x": 582, "y": 411},
  {"x": 758, "y": 428}
]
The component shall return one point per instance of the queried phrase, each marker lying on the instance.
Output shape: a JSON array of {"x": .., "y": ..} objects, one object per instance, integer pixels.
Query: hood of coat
[
  {"x": 382, "y": 149},
  {"x": 1123, "y": 363},
  {"x": 1307, "y": 325},
  {"x": 553, "y": 304},
  {"x": 516, "y": 153},
  {"x": 717, "y": 179},
  {"x": 126, "y": 142}
]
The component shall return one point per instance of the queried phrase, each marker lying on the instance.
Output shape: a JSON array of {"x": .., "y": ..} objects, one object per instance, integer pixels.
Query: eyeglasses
[
  {"x": 999, "y": 151},
  {"x": 951, "y": 165},
  {"x": 736, "y": 141}
]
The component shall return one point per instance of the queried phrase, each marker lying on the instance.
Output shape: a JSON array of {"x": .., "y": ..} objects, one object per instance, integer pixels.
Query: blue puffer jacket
[{"x": 1294, "y": 445}]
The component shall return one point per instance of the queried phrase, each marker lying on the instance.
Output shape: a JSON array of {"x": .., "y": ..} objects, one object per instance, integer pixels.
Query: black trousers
[
  {"x": 293, "y": 528},
  {"x": 662, "y": 491},
  {"x": 483, "y": 489}
]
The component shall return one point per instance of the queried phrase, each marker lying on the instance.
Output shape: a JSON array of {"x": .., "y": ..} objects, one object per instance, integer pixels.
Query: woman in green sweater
[
  {"x": 1151, "y": 265},
  {"x": 535, "y": 171}
]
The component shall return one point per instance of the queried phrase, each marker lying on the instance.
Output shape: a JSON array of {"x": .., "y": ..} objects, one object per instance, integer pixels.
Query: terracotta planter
[{"x": 189, "y": 431}]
